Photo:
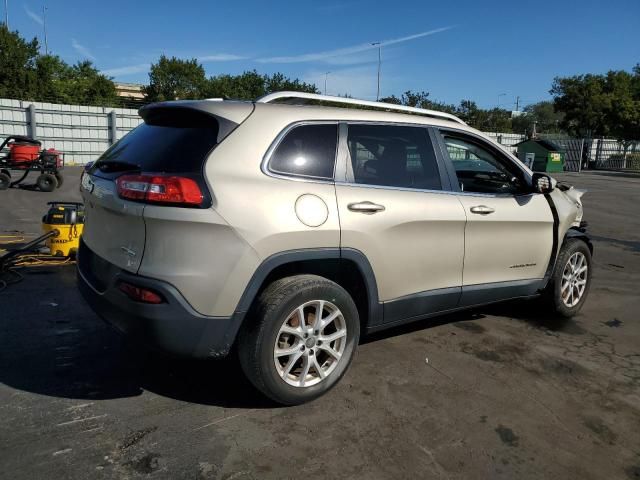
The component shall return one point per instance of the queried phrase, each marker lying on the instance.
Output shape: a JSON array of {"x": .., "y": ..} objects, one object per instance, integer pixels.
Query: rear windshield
[{"x": 171, "y": 143}]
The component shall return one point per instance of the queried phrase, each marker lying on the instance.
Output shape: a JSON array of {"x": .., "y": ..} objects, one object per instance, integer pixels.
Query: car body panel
[
  {"x": 115, "y": 227},
  {"x": 512, "y": 243},
  {"x": 424, "y": 253},
  {"x": 401, "y": 240}
]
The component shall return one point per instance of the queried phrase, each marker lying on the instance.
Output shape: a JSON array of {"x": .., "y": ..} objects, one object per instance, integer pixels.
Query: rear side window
[
  {"x": 307, "y": 150},
  {"x": 394, "y": 156},
  {"x": 176, "y": 142}
]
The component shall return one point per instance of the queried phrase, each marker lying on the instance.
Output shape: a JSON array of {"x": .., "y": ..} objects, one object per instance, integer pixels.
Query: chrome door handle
[
  {"x": 365, "y": 207},
  {"x": 482, "y": 210}
]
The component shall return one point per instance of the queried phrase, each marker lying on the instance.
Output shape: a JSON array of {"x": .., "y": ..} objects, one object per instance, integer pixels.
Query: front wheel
[
  {"x": 300, "y": 338},
  {"x": 571, "y": 279}
]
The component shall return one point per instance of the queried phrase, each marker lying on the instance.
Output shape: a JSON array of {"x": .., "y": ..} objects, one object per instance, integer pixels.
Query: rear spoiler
[{"x": 227, "y": 114}]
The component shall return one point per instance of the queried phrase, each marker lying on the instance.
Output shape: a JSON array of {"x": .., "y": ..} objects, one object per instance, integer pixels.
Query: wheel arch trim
[{"x": 292, "y": 256}]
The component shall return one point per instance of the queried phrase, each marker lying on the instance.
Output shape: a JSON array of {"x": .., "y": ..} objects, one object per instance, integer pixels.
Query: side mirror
[{"x": 541, "y": 183}]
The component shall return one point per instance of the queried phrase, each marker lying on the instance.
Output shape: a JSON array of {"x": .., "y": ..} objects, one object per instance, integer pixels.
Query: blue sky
[{"x": 453, "y": 49}]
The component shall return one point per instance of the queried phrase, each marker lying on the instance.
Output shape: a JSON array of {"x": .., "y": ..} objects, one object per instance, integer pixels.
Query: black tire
[
  {"x": 47, "y": 182},
  {"x": 257, "y": 339},
  {"x": 553, "y": 296},
  {"x": 59, "y": 178},
  {"x": 5, "y": 181}
]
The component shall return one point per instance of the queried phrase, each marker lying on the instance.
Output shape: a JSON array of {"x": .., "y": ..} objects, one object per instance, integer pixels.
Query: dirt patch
[
  {"x": 134, "y": 437},
  {"x": 500, "y": 353},
  {"x": 470, "y": 327},
  {"x": 507, "y": 436},
  {"x": 145, "y": 464},
  {"x": 615, "y": 323},
  {"x": 603, "y": 432}
]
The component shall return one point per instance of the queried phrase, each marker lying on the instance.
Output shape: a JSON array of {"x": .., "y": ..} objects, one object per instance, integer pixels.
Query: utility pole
[
  {"x": 6, "y": 13},
  {"x": 379, "y": 45},
  {"x": 517, "y": 103},
  {"x": 44, "y": 25},
  {"x": 500, "y": 95},
  {"x": 326, "y": 74}
]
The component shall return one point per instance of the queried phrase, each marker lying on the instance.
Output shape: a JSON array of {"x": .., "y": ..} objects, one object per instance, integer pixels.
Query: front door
[
  {"x": 394, "y": 207},
  {"x": 509, "y": 231}
]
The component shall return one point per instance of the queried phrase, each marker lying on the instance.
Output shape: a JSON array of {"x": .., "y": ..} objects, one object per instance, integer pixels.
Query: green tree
[
  {"x": 17, "y": 65},
  {"x": 547, "y": 120},
  {"x": 251, "y": 85},
  {"x": 246, "y": 86},
  {"x": 175, "y": 79},
  {"x": 27, "y": 75},
  {"x": 84, "y": 84},
  {"x": 600, "y": 105},
  {"x": 278, "y": 82}
]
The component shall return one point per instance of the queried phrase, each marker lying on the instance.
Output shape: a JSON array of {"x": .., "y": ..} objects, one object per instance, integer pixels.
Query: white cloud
[
  {"x": 330, "y": 54},
  {"x": 33, "y": 15},
  {"x": 82, "y": 50},
  {"x": 127, "y": 70},
  {"x": 220, "y": 57}
]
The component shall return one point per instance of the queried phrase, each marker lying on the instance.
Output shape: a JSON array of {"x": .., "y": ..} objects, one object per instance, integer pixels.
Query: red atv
[{"x": 25, "y": 155}]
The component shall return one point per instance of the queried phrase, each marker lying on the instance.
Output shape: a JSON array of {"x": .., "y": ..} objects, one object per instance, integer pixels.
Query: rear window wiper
[{"x": 107, "y": 166}]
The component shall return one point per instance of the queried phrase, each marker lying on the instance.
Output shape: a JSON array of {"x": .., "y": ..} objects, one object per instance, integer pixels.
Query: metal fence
[
  {"x": 84, "y": 132},
  {"x": 599, "y": 153}
]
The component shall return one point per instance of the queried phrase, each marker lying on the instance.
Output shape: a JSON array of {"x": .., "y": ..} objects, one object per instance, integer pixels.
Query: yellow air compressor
[{"x": 68, "y": 219}]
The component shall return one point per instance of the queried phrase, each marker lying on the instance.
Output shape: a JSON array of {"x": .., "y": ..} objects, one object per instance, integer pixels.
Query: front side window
[
  {"x": 482, "y": 170},
  {"x": 307, "y": 150},
  {"x": 394, "y": 156}
]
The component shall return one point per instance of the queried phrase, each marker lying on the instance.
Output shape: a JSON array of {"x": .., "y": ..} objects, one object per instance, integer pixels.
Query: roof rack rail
[{"x": 353, "y": 101}]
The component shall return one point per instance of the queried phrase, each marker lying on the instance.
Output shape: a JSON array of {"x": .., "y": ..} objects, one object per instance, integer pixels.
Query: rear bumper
[{"x": 174, "y": 326}]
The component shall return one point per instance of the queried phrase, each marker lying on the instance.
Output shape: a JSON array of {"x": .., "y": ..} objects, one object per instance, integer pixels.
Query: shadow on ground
[{"x": 52, "y": 344}]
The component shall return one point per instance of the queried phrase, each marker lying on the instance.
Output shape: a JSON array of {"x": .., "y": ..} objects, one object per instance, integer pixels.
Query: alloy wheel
[
  {"x": 574, "y": 279},
  {"x": 310, "y": 343}
]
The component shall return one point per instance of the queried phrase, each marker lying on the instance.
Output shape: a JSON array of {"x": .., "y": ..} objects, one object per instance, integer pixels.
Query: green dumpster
[{"x": 541, "y": 155}]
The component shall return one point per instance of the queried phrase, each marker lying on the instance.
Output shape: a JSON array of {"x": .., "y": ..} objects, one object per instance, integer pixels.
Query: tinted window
[
  {"x": 308, "y": 150},
  {"x": 394, "y": 156},
  {"x": 482, "y": 170},
  {"x": 177, "y": 143}
]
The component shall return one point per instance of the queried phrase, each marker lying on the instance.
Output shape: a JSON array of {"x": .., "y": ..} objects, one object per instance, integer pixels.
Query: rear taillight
[
  {"x": 140, "y": 294},
  {"x": 169, "y": 189}
]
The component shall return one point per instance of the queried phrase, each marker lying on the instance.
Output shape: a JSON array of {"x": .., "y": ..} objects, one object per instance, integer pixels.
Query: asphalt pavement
[{"x": 502, "y": 392}]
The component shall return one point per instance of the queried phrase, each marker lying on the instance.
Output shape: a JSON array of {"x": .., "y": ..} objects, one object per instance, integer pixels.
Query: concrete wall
[{"x": 82, "y": 133}]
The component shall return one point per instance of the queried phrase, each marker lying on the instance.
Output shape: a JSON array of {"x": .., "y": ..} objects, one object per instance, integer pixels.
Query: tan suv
[{"x": 284, "y": 231}]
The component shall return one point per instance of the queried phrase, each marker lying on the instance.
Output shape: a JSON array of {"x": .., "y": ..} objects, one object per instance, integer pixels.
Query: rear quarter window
[{"x": 308, "y": 151}]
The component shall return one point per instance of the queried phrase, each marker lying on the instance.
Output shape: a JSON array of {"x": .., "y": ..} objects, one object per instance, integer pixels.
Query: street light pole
[
  {"x": 379, "y": 45},
  {"x": 326, "y": 74},
  {"x": 6, "y": 13},
  {"x": 44, "y": 25}
]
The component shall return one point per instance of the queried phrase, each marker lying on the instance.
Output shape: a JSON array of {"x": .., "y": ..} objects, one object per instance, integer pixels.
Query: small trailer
[{"x": 26, "y": 155}]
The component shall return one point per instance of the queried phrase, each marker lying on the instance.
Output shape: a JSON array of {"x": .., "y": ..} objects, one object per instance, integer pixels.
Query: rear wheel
[
  {"x": 5, "y": 181},
  {"x": 571, "y": 279},
  {"x": 47, "y": 182},
  {"x": 300, "y": 338},
  {"x": 59, "y": 178}
]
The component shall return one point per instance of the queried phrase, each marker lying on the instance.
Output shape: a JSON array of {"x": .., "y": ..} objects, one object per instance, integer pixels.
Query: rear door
[
  {"x": 173, "y": 141},
  {"x": 509, "y": 231},
  {"x": 396, "y": 209}
]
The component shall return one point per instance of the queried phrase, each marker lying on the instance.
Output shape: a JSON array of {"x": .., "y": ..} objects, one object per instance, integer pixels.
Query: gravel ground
[{"x": 500, "y": 392}]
